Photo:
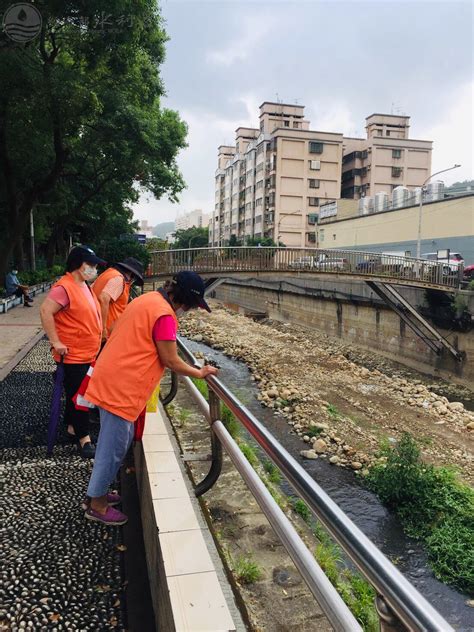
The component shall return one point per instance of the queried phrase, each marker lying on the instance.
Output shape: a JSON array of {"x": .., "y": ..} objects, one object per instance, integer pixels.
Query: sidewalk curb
[{"x": 11, "y": 364}]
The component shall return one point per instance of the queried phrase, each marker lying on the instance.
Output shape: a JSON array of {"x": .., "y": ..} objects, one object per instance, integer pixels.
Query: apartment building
[
  {"x": 196, "y": 218},
  {"x": 385, "y": 159},
  {"x": 273, "y": 180}
]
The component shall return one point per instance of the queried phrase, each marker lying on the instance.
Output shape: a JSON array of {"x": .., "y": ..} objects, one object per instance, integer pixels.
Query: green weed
[
  {"x": 273, "y": 472},
  {"x": 434, "y": 506},
  {"x": 246, "y": 570},
  {"x": 332, "y": 410},
  {"x": 301, "y": 508},
  {"x": 249, "y": 454}
]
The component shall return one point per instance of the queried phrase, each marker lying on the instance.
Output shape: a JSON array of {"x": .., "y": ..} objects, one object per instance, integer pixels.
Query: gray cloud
[{"x": 342, "y": 60}]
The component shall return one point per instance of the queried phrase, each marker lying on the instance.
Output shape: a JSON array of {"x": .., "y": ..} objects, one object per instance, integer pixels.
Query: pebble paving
[{"x": 57, "y": 570}]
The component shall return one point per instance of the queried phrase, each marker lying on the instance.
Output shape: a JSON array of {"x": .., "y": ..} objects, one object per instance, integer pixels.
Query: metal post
[
  {"x": 32, "y": 241},
  {"x": 216, "y": 449}
]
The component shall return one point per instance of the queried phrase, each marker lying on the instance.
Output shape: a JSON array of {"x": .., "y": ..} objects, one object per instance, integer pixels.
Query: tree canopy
[
  {"x": 193, "y": 237},
  {"x": 82, "y": 129}
]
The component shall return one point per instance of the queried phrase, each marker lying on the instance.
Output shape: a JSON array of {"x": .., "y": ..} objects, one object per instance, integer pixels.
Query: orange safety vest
[
  {"x": 117, "y": 307},
  {"x": 129, "y": 367},
  {"x": 78, "y": 326}
]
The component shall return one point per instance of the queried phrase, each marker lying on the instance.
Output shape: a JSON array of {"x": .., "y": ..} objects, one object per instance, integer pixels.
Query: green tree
[
  {"x": 155, "y": 243},
  {"x": 191, "y": 238},
  {"x": 82, "y": 129}
]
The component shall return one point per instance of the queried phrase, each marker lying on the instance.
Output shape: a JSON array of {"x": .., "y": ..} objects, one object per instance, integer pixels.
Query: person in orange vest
[
  {"x": 112, "y": 289},
  {"x": 141, "y": 346},
  {"x": 72, "y": 320}
]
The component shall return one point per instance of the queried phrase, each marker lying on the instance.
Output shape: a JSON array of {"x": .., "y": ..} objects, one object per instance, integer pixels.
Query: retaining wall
[{"x": 352, "y": 312}]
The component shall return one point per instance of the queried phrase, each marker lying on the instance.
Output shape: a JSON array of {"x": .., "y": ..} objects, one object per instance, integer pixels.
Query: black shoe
[
  {"x": 27, "y": 305},
  {"x": 87, "y": 451}
]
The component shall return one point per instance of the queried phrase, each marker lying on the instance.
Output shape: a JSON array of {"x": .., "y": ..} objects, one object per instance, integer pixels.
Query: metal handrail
[
  {"x": 402, "y": 598},
  {"x": 326, "y": 595},
  {"x": 388, "y": 266}
]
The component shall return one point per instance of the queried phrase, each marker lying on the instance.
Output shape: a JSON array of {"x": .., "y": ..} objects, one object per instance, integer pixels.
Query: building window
[
  {"x": 286, "y": 123},
  {"x": 396, "y": 172},
  {"x": 312, "y": 219},
  {"x": 313, "y": 201},
  {"x": 313, "y": 184},
  {"x": 315, "y": 165},
  {"x": 364, "y": 154},
  {"x": 396, "y": 153},
  {"x": 321, "y": 235},
  {"x": 334, "y": 237},
  {"x": 315, "y": 147},
  {"x": 296, "y": 125},
  {"x": 311, "y": 238},
  {"x": 387, "y": 132}
]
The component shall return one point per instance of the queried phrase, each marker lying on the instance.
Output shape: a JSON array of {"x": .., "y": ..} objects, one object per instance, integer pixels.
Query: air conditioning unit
[{"x": 315, "y": 165}]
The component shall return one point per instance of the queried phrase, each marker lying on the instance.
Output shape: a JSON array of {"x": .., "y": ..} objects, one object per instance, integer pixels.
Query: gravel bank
[
  {"x": 57, "y": 572},
  {"x": 340, "y": 409}
]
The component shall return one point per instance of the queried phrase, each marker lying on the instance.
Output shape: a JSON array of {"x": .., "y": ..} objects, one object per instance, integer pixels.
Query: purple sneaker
[
  {"x": 112, "y": 516},
  {"x": 112, "y": 499}
]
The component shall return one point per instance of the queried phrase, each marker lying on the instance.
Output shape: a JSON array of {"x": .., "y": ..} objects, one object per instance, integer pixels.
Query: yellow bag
[{"x": 152, "y": 403}]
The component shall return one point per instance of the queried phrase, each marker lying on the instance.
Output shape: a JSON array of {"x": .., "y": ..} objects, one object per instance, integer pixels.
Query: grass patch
[
  {"x": 355, "y": 591},
  {"x": 183, "y": 415},
  {"x": 434, "y": 507},
  {"x": 246, "y": 570},
  {"x": 332, "y": 410},
  {"x": 249, "y": 454},
  {"x": 313, "y": 431},
  {"x": 274, "y": 475},
  {"x": 231, "y": 423},
  {"x": 301, "y": 508}
]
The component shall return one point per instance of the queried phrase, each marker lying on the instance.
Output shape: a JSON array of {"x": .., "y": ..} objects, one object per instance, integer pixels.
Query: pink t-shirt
[
  {"x": 164, "y": 329},
  {"x": 59, "y": 295}
]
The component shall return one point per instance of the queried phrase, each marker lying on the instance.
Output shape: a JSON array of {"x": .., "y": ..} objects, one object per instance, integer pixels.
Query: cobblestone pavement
[{"x": 57, "y": 571}]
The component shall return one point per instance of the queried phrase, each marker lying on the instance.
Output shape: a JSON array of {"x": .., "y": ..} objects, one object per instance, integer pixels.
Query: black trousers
[{"x": 78, "y": 419}]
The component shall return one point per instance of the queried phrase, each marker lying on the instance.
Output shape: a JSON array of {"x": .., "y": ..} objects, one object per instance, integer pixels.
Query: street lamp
[
  {"x": 420, "y": 210},
  {"x": 281, "y": 219}
]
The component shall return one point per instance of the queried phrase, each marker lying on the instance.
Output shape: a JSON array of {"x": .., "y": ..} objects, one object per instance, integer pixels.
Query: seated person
[{"x": 13, "y": 287}]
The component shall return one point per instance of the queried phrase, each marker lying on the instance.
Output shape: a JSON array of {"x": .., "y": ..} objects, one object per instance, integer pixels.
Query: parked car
[
  {"x": 452, "y": 265},
  {"x": 332, "y": 263},
  {"x": 468, "y": 273},
  {"x": 303, "y": 262}
]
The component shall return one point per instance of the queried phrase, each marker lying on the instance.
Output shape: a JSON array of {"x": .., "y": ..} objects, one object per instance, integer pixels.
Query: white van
[{"x": 455, "y": 259}]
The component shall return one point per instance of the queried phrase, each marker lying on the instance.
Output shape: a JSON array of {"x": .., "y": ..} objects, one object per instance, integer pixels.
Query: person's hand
[
  {"x": 206, "y": 370},
  {"x": 60, "y": 348}
]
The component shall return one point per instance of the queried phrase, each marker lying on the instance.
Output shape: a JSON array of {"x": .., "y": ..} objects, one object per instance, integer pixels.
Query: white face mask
[{"x": 89, "y": 272}]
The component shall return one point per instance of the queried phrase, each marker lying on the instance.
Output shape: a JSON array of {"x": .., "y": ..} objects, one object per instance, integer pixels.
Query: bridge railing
[
  {"x": 273, "y": 259},
  {"x": 400, "y": 606}
]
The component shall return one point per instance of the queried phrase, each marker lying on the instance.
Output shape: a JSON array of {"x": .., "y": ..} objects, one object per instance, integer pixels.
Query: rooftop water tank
[
  {"x": 366, "y": 205},
  {"x": 381, "y": 202},
  {"x": 415, "y": 196},
  {"x": 400, "y": 197},
  {"x": 434, "y": 191}
]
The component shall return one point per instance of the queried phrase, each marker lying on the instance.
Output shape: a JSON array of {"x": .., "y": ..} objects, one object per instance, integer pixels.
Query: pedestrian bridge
[{"x": 266, "y": 261}]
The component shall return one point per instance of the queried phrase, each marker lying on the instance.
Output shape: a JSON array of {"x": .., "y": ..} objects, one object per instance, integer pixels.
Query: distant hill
[{"x": 161, "y": 230}]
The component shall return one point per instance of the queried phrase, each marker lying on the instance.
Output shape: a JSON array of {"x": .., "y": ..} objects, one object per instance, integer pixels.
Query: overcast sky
[{"x": 342, "y": 60}]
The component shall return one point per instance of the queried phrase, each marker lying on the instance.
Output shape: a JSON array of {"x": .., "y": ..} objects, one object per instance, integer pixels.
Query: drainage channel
[
  {"x": 57, "y": 571},
  {"x": 361, "y": 505}
]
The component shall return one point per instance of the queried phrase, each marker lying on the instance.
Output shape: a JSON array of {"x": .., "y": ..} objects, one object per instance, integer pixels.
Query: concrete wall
[
  {"x": 361, "y": 320},
  {"x": 446, "y": 224}
]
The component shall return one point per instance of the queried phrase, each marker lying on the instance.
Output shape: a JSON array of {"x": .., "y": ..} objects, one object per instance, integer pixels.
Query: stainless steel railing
[
  {"x": 400, "y": 605},
  {"x": 272, "y": 259}
]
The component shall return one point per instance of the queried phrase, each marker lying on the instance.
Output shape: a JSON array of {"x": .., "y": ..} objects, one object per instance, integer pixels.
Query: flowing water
[{"x": 362, "y": 506}]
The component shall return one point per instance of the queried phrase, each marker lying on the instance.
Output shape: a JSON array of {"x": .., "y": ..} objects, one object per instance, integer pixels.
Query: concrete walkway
[{"x": 18, "y": 327}]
